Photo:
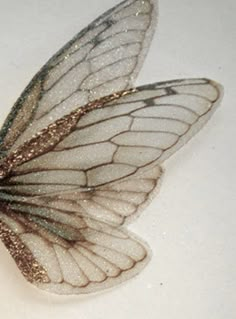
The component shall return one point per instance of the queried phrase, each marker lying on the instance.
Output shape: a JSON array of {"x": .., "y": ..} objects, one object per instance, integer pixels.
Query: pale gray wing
[
  {"x": 71, "y": 259},
  {"x": 113, "y": 148},
  {"x": 103, "y": 58}
]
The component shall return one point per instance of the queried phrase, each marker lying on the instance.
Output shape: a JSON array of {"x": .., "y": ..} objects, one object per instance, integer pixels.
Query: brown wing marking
[
  {"x": 23, "y": 257},
  {"x": 100, "y": 257}
]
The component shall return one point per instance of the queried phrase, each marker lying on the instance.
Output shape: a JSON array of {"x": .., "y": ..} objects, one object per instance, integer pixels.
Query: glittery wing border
[
  {"x": 122, "y": 143},
  {"x": 97, "y": 257},
  {"x": 127, "y": 135},
  {"x": 161, "y": 118}
]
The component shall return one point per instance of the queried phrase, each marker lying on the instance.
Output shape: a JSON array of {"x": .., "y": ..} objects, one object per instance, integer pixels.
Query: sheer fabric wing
[
  {"x": 87, "y": 257},
  {"x": 102, "y": 59},
  {"x": 114, "y": 203},
  {"x": 124, "y": 142}
]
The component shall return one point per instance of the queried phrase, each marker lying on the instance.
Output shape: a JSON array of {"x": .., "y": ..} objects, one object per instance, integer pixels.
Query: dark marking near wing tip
[
  {"x": 108, "y": 23},
  {"x": 96, "y": 41},
  {"x": 170, "y": 91},
  {"x": 149, "y": 102}
]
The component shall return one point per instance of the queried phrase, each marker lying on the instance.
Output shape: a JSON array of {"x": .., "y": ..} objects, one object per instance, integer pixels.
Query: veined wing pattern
[{"x": 76, "y": 166}]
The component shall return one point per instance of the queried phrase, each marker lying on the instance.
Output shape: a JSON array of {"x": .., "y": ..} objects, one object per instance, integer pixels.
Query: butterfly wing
[
  {"x": 115, "y": 152},
  {"x": 103, "y": 58},
  {"x": 98, "y": 177},
  {"x": 64, "y": 259}
]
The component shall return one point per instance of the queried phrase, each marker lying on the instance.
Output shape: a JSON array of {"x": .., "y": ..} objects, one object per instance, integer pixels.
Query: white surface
[{"x": 190, "y": 226}]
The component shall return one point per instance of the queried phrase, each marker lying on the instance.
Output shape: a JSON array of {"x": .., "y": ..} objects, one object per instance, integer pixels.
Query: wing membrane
[
  {"x": 102, "y": 59},
  {"x": 62, "y": 210},
  {"x": 127, "y": 136},
  {"x": 62, "y": 205},
  {"x": 115, "y": 203},
  {"x": 98, "y": 256},
  {"x": 108, "y": 167}
]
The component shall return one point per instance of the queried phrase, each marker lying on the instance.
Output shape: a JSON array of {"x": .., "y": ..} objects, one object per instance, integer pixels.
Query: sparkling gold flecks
[
  {"x": 23, "y": 257},
  {"x": 48, "y": 138}
]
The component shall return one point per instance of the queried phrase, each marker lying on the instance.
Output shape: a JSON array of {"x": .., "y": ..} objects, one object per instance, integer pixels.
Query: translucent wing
[
  {"x": 108, "y": 167},
  {"x": 65, "y": 259},
  {"x": 103, "y": 58},
  {"x": 62, "y": 210},
  {"x": 113, "y": 203}
]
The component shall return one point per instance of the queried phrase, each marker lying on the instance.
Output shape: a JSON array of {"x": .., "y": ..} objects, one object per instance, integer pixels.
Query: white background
[{"x": 191, "y": 223}]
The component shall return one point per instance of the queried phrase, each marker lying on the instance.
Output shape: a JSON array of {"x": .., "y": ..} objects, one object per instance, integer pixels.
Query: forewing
[
  {"x": 103, "y": 58},
  {"x": 118, "y": 147},
  {"x": 65, "y": 259}
]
